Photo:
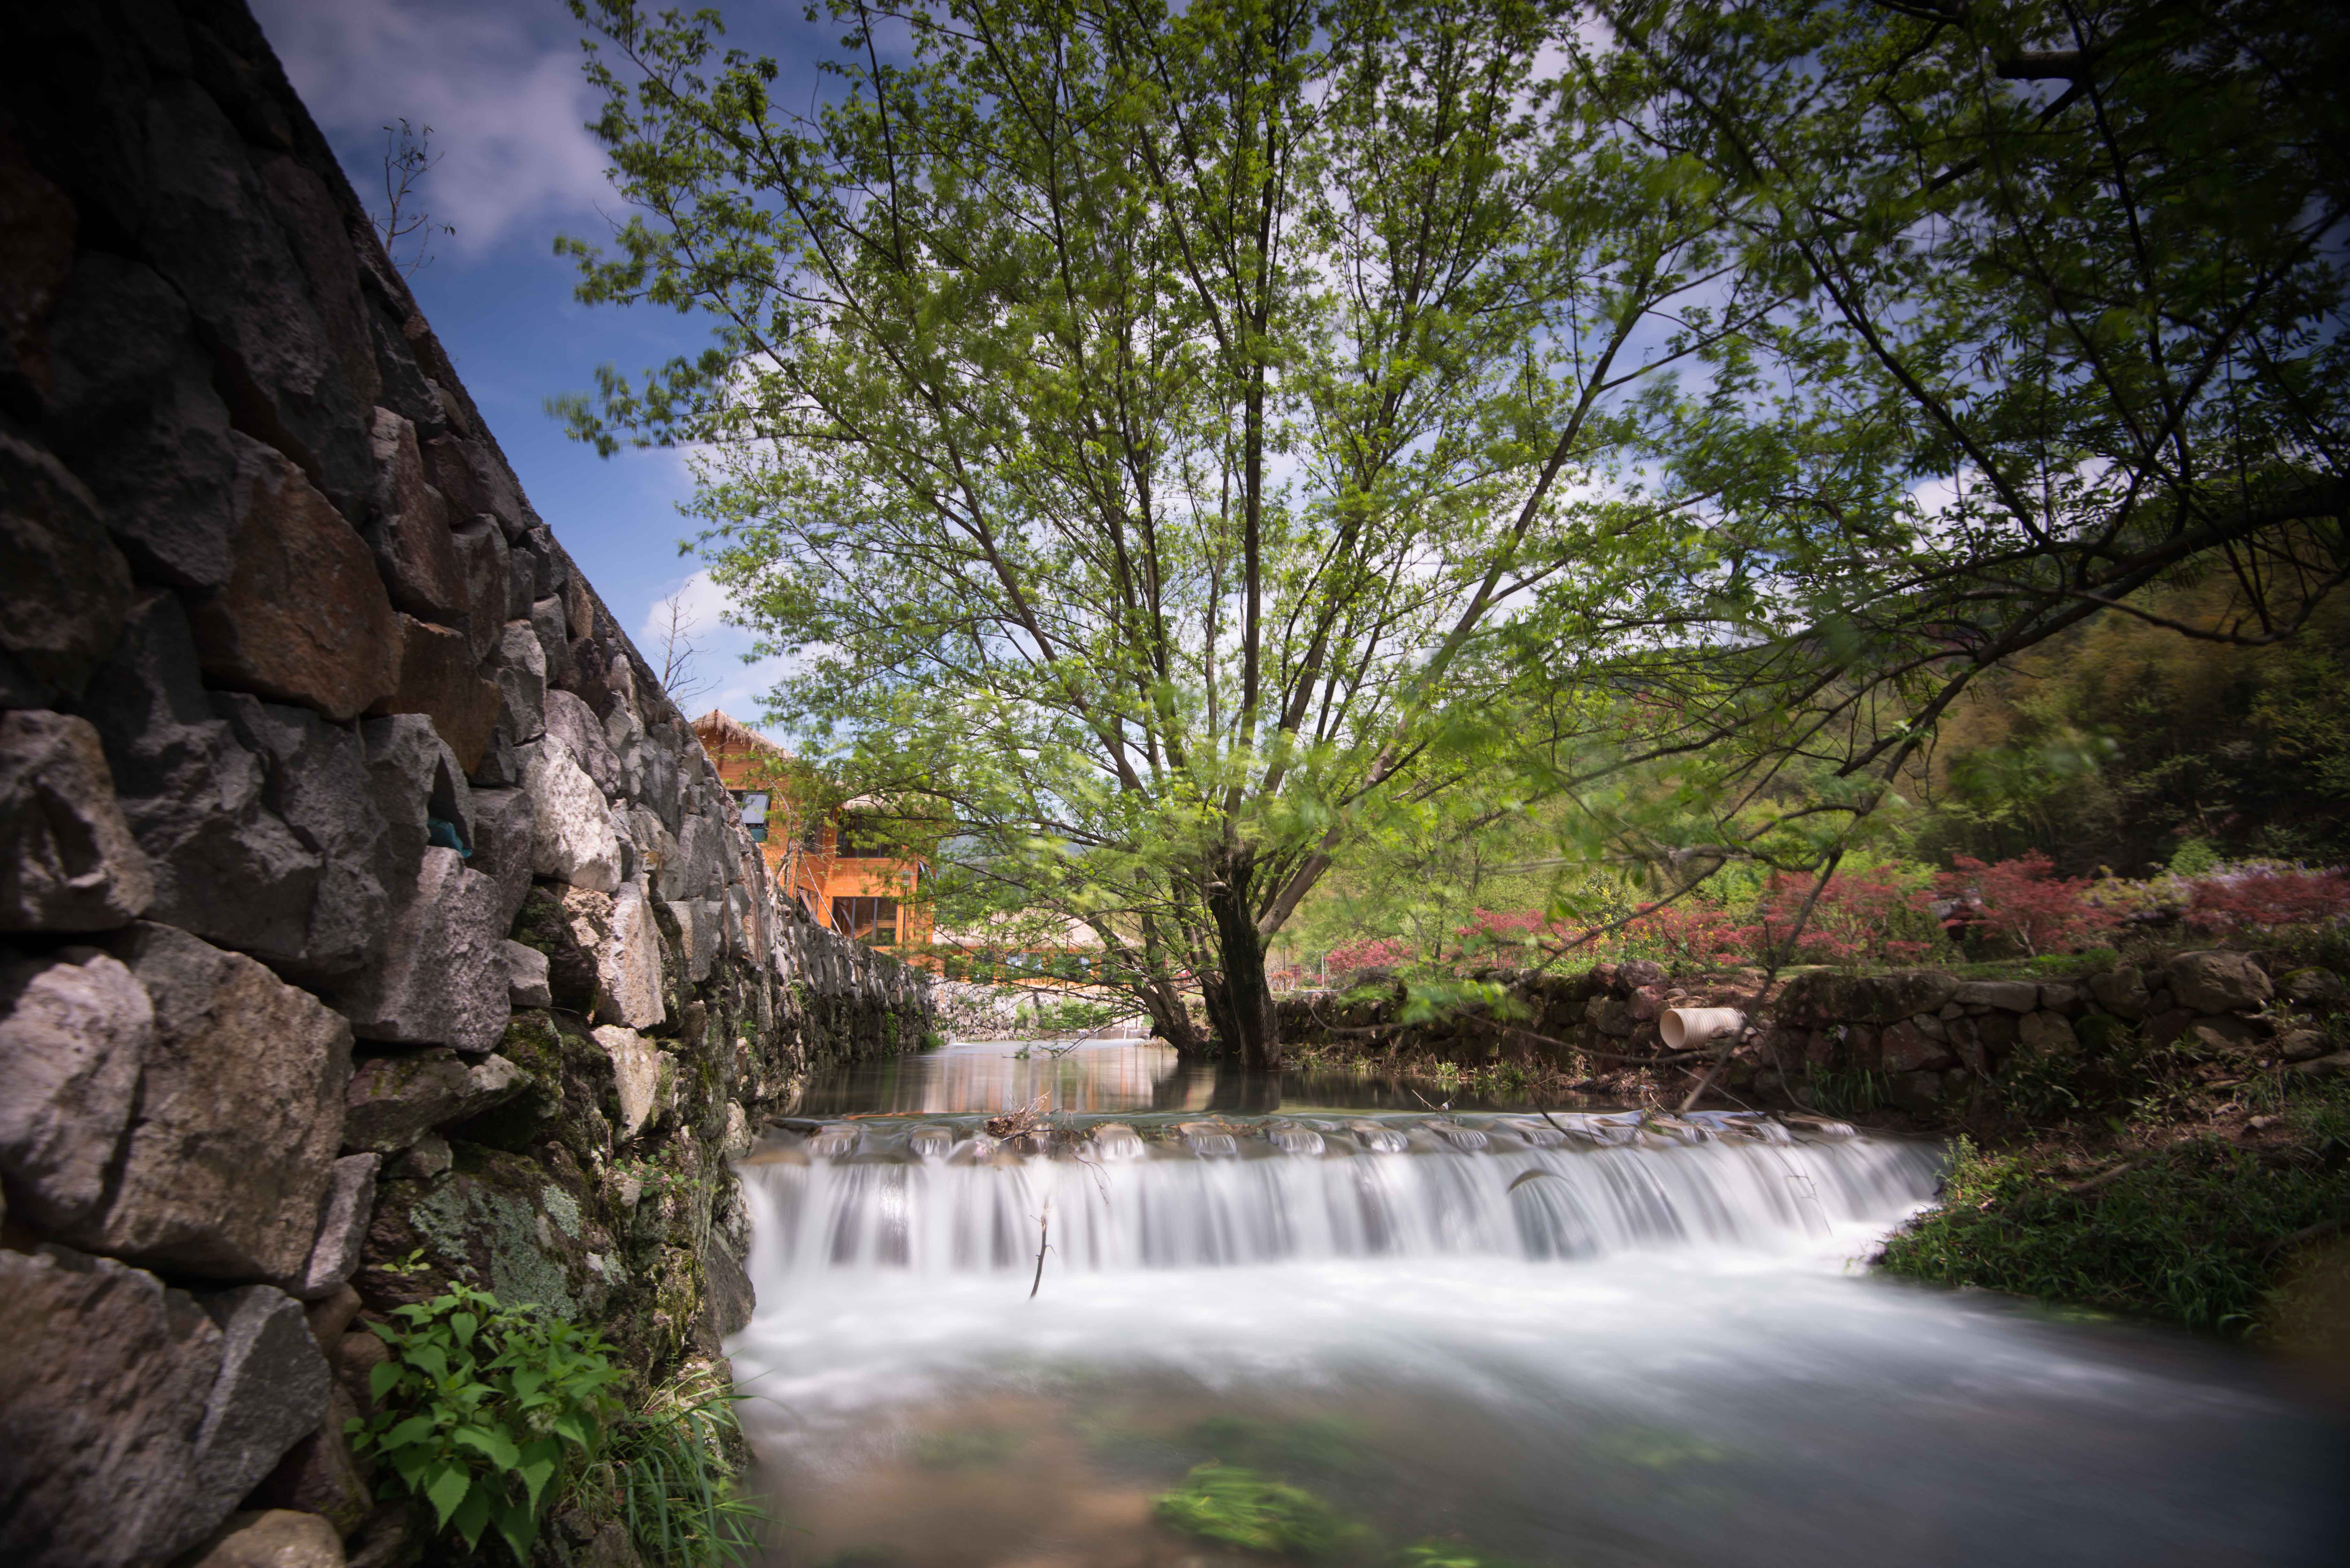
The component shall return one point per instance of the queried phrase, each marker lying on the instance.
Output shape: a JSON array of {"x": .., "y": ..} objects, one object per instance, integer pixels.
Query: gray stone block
[
  {"x": 67, "y": 860},
  {"x": 629, "y": 972},
  {"x": 567, "y": 717},
  {"x": 74, "y": 1030},
  {"x": 393, "y": 1101},
  {"x": 107, "y": 1375},
  {"x": 572, "y": 837},
  {"x": 135, "y": 414},
  {"x": 271, "y": 1392},
  {"x": 441, "y": 978},
  {"x": 2007, "y": 995},
  {"x": 240, "y": 1116},
  {"x": 409, "y": 526},
  {"x": 2121, "y": 992},
  {"x": 504, "y": 822},
  {"x": 226, "y": 866},
  {"x": 2218, "y": 981},
  {"x": 526, "y": 977},
  {"x": 342, "y": 1228},
  {"x": 64, "y": 588},
  {"x": 316, "y": 781},
  {"x": 519, "y": 666},
  {"x": 205, "y": 222}
]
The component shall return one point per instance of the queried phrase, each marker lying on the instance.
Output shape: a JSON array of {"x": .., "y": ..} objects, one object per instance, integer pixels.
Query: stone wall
[
  {"x": 1924, "y": 1034},
  {"x": 367, "y": 916}
]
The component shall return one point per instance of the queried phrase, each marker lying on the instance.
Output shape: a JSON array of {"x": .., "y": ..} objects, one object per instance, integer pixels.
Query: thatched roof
[{"x": 721, "y": 732}]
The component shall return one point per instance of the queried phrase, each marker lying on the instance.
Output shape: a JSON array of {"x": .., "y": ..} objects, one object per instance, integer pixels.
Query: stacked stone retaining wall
[
  {"x": 1924, "y": 1034},
  {"x": 368, "y": 917}
]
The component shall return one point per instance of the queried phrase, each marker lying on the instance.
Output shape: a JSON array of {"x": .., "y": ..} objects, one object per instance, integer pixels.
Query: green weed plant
[
  {"x": 479, "y": 1406},
  {"x": 1244, "y": 1508}
]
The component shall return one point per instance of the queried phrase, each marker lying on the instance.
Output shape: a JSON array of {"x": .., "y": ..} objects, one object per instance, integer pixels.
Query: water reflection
[{"x": 1105, "y": 1075}]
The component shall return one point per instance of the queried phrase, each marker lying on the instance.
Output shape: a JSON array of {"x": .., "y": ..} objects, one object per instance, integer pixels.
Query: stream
[{"x": 1453, "y": 1337}]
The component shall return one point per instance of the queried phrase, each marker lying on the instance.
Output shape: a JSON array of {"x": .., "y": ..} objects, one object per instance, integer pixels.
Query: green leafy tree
[
  {"x": 2060, "y": 334},
  {"x": 1137, "y": 418}
]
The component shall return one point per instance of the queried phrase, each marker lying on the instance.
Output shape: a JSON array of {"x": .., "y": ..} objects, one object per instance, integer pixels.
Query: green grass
[{"x": 674, "y": 1467}]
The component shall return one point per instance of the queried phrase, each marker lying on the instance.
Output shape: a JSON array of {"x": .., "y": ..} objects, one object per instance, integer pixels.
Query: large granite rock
[
  {"x": 2218, "y": 981},
  {"x": 74, "y": 1029},
  {"x": 2121, "y": 991},
  {"x": 629, "y": 968},
  {"x": 272, "y": 1389},
  {"x": 438, "y": 678},
  {"x": 505, "y": 827},
  {"x": 635, "y": 1070},
  {"x": 64, "y": 588},
  {"x": 316, "y": 781},
  {"x": 342, "y": 1228},
  {"x": 107, "y": 1376},
  {"x": 273, "y": 1538},
  {"x": 240, "y": 1116},
  {"x": 518, "y": 665},
  {"x": 2006, "y": 995},
  {"x": 698, "y": 869},
  {"x": 583, "y": 734},
  {"x": 441, "y": 979},
  {"x": 303, "y": 617},
  {"x": 526, "y": 977},
  {"x": 486, "y": 575},
  {"x": 136, "y": 415},
  {"x": 409, "y": 526},
  {"x": 572, "y": 840},
  {"x": 393, "y": 1101},
  {"x": 226, "y": 866},
  {"x": 423, "y": 797},
  {"x": 205, "y": 220},
  {"x": 67, "y": 860}
]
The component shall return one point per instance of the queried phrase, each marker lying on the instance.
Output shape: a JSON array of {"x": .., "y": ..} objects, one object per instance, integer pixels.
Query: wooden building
[{"x": 857, "y": 883}]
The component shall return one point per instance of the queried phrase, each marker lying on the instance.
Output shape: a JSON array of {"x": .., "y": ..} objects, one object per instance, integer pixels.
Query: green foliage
[
  {"x": 1240, "y": 1507},
  {"x": 2189, "y": 1238},
  {"x": 480, "y": 1409},
  {"x": 672, "y": 1465}
]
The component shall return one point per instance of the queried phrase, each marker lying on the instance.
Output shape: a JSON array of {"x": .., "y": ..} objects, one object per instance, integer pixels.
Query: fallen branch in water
[{"x": 1044, "y": 1245}]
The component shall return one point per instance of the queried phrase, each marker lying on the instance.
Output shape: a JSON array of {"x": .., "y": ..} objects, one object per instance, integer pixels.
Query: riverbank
[{"x": 2165, "y": 1139}]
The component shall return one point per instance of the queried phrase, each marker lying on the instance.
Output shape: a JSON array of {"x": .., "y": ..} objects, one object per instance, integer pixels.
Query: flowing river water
[{"x": 1476, "y": 1336}]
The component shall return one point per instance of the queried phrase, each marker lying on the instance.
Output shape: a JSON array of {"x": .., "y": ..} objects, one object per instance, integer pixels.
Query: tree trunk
[
  {"x": 1172, "y": 1020},
  {"x": 1240, "y": 1001}
]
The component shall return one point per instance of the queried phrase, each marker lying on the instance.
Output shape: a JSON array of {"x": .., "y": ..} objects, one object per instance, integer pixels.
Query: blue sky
[{"x": 498, "y": 81}]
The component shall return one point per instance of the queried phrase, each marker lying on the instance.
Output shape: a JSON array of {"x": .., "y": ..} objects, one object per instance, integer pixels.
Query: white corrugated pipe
[{"x": 1683, "y": 1028}]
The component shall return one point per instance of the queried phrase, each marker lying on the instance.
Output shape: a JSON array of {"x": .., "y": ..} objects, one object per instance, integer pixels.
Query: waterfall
[{"x": 935, "y": 1197}]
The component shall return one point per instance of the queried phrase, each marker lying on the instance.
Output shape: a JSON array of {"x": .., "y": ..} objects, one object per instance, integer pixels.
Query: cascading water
[
  {"x": 940, "y": 1200},
  {"x": 1587, "y": 1339}
]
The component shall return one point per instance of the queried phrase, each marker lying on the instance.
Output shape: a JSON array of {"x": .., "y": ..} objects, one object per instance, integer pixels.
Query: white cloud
[{"x": 499, "y": 85}]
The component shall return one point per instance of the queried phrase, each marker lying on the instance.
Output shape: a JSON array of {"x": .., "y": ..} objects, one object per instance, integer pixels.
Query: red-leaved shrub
[
  {"x": 2017, "y": 903},
  {"x": 2261, "y": 897}
]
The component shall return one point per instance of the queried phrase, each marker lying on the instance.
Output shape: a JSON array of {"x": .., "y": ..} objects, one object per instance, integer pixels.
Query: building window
[
  {"x": 754, "y": 802},
  {"x": 871, "y": 920}
]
